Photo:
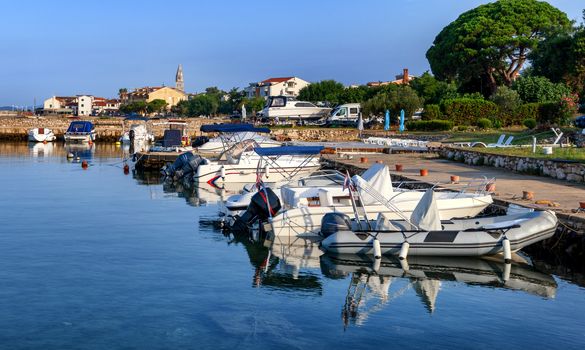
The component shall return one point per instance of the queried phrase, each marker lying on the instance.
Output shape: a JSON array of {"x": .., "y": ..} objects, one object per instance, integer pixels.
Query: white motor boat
[
  {"x": 231, "y": 134},
  {"x": 304, "y": 206},
  {"x": 175, "y": 139},
  {"x": 246, "y": 162},
  {"x": 424, "y": 233},
  {"x": 80, "y": 131},
  {"x": 41, "y": 135},
  {"x": 285, "y": 108},
  {"x": 137, "y": 133}
]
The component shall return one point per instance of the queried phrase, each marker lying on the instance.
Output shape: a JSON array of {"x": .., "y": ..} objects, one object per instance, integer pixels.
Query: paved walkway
[{"x": 509, "y": 185}]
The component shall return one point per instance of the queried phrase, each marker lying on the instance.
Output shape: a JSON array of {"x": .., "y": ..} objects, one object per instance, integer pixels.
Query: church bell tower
[{"x": 179, "y": 83}]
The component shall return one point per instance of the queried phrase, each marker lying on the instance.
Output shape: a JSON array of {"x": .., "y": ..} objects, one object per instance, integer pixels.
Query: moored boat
[
  {"x": 425, "y": 234},
  {"x": 80, "y": 131},
  {"x": 41, "y": 135}
]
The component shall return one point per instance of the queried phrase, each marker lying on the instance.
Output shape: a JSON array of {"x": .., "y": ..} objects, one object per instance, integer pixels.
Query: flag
[{"x": 347, "y": 182}]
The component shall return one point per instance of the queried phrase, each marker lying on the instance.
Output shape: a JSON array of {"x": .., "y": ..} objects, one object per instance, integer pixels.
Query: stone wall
[
  {"x": 110, "y": 129},
  {"x": 324, "y": 134},
  {"x": 562, "y": 170}
]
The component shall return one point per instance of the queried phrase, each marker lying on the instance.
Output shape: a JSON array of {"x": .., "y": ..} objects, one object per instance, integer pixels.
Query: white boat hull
[
  {"x": 306, "y": 220},
  {"x": 212, "y": 173},
  {"x": 465, "y": 237},
  {"x": 35, "y": 135},
  {"x": 80, "y": 137}
]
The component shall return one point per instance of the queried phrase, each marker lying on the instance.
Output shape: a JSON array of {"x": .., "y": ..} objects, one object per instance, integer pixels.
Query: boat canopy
[
  {"x": 232, "y": 128},
  {"x": 288, "y": 150},
  {"x": 80, "y": 126}
]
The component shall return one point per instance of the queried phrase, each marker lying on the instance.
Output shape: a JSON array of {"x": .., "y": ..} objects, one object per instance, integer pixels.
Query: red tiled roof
[
  {"x": 99, "y": 103},
  {"x": 276, "y": 80}
]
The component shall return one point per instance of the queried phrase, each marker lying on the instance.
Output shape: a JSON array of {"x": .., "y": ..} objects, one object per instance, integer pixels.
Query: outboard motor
[
  {"x": 257, "y": 210},
  {"x": 333, "y": 223},
  {"x": 131, "y": 135},
  {"x": 199, "y": 141},
  {"x": 184, "y": 165}
]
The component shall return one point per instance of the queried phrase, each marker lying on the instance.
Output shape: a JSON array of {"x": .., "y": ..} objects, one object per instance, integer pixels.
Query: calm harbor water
[{"x": 96, "y": 259}]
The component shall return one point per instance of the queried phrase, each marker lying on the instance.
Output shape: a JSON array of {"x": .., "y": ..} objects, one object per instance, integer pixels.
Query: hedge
[
  {"x": 432, "y": 112},
  {"x": 466, "y": 111},
  {"x": 429, "y": 125}
]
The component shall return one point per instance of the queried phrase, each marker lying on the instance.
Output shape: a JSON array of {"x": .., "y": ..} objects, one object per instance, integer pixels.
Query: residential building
[
  {"x": 81, "y": 105},
  {"x": 171, "y": 95},
  {"x": 403, "y": 78},
  {"x": 84, "y": 104},
  {"x": 149, "y": 93},
  {"x": 283, "y": 86}
]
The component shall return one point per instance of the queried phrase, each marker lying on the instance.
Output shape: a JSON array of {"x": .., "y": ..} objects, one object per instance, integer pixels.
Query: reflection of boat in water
[
  {"x": 296, "y": 254},
  {"x": 276, "y": 268},
  {"x": 425, "y": 276},
  {"x": 39, "y": 150},
  {"x": 81, "y": 150}
]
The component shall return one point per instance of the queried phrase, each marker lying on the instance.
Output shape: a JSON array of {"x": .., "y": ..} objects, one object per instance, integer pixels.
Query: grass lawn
[{"x": 572, "y": 154}]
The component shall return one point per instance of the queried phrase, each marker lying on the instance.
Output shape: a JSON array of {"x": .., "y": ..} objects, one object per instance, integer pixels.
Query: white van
[{"x": 345, "y": 114}]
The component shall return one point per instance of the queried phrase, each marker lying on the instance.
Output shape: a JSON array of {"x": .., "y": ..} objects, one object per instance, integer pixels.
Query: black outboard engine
[
  {"x": 257, "y": 210},
  {"x": 334, "y": 222},
  {"x": 184, "y": 165},
  {"x": 131, "y": 135},
  {"x": 199, "y": 141}
]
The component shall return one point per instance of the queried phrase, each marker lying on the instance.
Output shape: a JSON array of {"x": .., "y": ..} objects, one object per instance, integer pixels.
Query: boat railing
[{"x": 478, "y": 185}]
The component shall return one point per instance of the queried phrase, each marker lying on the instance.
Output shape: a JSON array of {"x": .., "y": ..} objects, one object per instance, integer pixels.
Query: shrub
[
  {"x": 461, "y": 128},
  {"x": 529, "y": 123},
  {"x": 466, "y": 111},
  {"x": 497, "y": 123},
  {"x": 432, "y": 112},
  {"x": 429, "y": 125},
  {"x": 484, "y": 123},
  {"x": 526, "y": 111}
]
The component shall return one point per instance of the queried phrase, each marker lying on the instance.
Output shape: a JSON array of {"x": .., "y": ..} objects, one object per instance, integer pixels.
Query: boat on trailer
[
  {"x": 424, "y": 233},
  {"x": 41, "y": 135}
]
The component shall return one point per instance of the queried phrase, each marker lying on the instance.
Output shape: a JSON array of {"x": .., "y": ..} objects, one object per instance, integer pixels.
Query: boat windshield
[
  {"x": 277, "y": 101},
  {"x": 235, "y": 152}
]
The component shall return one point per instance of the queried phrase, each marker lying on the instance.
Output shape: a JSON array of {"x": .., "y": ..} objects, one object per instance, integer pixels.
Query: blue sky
[{"x": 97, "y": 47}]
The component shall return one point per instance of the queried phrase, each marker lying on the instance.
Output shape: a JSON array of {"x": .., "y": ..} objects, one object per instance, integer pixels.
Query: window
[
  {"x": 277, "y": 102},
  {"x": 82, "y": 105},
  {"x": 291, "y": 84},
  {"x": 304, "y": 104},
  {"x": 342, "y": 112},
  {"x": 353, "y": 110}
]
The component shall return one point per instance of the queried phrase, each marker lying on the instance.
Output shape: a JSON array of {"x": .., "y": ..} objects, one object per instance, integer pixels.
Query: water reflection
[
  {"x": 41, "y": 150},
  {"x": 370, "y": 282}
]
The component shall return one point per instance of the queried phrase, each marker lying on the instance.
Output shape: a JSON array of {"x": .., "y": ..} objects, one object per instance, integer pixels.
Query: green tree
[
  {"x": 540, "y": 89},
  {"x": 253, "y": 105},
  {"x": 492, "y": 41},
  {"x": 508, "y": 102},
  {"x": 326, "y": 90},
  {"x": 398, "y": 97},
  {"x": 202, "y": 104},
  {"x": 139, "y": 107},
  {"x": 353, "y": 95},
  {"x": 156, "y": 106},
  {"x": 432, "y": 90},
  {"x": 561, "y": 58}
]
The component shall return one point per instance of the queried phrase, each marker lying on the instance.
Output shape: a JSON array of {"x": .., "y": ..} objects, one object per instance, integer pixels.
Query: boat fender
[
  {"x": 377, "y": 249},
  {"x": 506, "y": 273},
  {"x": 267, "y": 171},
  {"x": 376, "y": 265},
  {"x": 404, "y": 251},
  {"x": 507, "y": 251},
  {"x": 222, "y": 172},
  {"x": 70, "y": 155},
  {"x": 404, "y": 265}
]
